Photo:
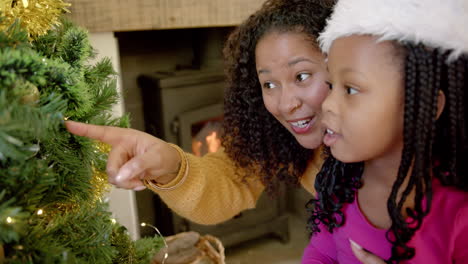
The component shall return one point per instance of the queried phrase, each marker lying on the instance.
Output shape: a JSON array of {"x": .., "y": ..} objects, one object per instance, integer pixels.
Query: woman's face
[{"x": 292, "y": 74}]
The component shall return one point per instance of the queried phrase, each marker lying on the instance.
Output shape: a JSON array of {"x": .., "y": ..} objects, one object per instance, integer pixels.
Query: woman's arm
[{"x": 209, "y": 189}]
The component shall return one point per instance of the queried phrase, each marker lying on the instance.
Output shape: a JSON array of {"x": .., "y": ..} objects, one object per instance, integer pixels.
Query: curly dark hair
[
  {"x": 252, "y": 137},
  {"x": 433, "y": 147}
]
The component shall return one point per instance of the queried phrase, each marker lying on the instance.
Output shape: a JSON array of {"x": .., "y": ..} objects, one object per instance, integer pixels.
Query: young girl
[
  {"x": 395, "y": 185},
  {"x": 276, "y": 75}
]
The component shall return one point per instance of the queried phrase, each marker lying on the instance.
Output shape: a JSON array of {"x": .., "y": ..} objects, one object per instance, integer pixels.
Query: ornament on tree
[
  {"x": 28, "y": 92},
  {"x": 36, "y": 16}
]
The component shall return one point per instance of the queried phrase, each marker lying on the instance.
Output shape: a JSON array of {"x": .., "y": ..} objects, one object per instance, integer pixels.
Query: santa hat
[{"x": 435, "y": 23}]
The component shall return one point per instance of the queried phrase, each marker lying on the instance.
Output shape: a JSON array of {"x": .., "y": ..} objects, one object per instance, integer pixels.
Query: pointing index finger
[{"x": 106, "y": 134}]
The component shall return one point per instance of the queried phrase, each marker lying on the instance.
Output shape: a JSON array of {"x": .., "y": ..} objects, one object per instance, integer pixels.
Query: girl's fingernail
[
  {"x": 355, "y": 245},
  {"x": 139, "y": 188}
]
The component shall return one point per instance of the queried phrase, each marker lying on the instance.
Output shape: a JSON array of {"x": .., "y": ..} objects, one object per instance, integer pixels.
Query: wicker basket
[{"x": 191, "y": 248}]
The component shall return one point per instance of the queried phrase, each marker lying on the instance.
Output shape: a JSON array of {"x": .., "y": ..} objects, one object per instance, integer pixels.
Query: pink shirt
[{"x": 442, "y": 238}]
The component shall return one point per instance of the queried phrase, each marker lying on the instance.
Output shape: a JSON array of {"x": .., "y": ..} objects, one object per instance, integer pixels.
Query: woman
[{"x": 276, "y": 75}]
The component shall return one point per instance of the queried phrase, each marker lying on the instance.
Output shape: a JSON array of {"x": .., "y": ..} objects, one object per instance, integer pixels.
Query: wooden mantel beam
[{"x": 132, "y": 15}]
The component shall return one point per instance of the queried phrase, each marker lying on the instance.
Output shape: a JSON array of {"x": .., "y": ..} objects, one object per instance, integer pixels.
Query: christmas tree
[{"x": 52, "y": 183}]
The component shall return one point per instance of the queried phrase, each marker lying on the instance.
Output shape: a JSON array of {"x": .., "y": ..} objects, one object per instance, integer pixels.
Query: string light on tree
[{"x": 166, "y": 247}]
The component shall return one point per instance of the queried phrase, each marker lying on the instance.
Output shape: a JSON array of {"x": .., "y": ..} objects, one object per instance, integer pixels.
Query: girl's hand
[
  {"x": 363, "y": 255},
  {"x": 134, "y": 156}
]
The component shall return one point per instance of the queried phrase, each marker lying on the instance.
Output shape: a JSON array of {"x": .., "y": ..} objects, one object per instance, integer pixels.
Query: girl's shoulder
[
  {"x": 451, "y": 210},
  {"x": 451, "y": 204},
  {"x": 444, "y": 231},
  {"x": 449, "y": 195}
]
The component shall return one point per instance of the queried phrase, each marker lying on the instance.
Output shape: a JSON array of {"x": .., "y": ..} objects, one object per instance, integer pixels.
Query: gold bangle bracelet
[{"x": 155, "y": 186}]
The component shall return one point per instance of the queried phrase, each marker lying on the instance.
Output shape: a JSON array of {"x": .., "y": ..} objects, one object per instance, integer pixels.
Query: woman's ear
[{"x": 440, "y": 103}]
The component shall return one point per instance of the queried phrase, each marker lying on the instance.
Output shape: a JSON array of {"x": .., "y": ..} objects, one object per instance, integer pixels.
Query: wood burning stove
[
  {"x": 185, "y": 108},
  {"x": 199, "y": 130}
]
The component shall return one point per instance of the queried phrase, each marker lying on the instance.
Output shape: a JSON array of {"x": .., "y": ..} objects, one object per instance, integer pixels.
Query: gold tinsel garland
[
  {"x": 100, "y": 179},
  {"x": 99, "y": 182},
  {"x": 36, "y": 16}
]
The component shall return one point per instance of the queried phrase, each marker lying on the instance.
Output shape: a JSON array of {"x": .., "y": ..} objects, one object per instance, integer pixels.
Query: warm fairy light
[
  {"x": 166, "y": 255},
  {"x": 40, "y": 212},
  {"x": 19, "y": 247},
  {"x": 113, "y": 220},
  {"x": 9, "y": 220}
]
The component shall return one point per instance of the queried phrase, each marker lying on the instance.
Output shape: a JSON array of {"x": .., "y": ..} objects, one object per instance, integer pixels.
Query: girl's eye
[
  {"x": 302, "y": 77},
  {"x": 269, "y": 85},
  {"x": 351, "y": 91},
  {"x": 330, "y": 86}
]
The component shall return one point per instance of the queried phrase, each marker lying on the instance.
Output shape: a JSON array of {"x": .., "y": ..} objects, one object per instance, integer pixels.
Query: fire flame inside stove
[
  {"x": 210, "y": 143},
  {"x": 213, "y": 142}
]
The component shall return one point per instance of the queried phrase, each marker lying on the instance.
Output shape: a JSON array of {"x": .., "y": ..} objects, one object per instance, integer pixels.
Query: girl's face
[
  {"x": 363, "y": 113},
  {"x": 292, "y": 73}
]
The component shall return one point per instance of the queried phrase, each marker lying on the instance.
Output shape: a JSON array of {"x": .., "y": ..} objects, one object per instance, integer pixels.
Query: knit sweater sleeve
[{"x": 209, "y": 189}]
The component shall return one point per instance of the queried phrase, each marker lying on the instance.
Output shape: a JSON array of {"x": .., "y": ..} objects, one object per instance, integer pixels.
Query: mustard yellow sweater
[{"x": 210, "y": 190}]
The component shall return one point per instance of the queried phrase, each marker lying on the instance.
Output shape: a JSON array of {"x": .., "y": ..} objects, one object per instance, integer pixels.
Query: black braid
[
  {"x": 433, "y": 147},
  {"x": 420, "y": 140},
  {"x": 336, "y": 184},
  {"x": 452, "y": 166}
]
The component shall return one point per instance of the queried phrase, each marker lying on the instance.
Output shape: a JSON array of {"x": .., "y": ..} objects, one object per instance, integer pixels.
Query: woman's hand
[
  {"x": 363, "y": 255},
  {"x": 134, "y": 156}
]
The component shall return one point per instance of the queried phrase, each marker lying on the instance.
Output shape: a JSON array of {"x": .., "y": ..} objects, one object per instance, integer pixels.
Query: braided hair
[
  {"x": 252, "y": 137},
  {"x": 432, "y": 147}
]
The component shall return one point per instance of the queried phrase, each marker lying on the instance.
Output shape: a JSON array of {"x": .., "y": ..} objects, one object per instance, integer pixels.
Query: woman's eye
[
  {"x": 269, "y": 85},
  {"x": 351, "y": 91},
  {"x": 330, "y": 86},
  {"x": 302, "y": 76}
]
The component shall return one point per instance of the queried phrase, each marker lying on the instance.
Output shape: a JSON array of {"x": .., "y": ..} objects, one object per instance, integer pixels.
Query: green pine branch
[{"x": 49, "y": 209}]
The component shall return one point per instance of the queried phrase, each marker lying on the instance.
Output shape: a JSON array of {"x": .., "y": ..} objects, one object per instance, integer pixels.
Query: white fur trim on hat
[{"x": 435, "y": 23}]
